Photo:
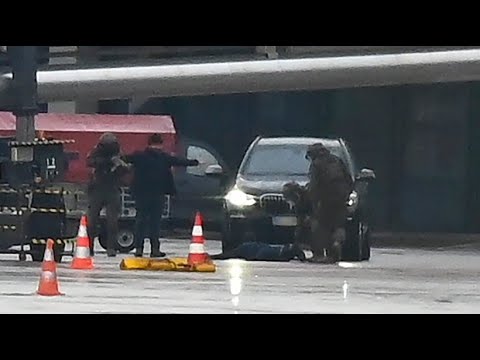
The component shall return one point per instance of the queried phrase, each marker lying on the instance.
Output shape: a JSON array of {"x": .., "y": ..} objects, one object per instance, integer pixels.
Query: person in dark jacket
[
  {"x": 104, "y": 188},
  {"x": 152, "y": 180},
  {"x": 329, "y": 188}
]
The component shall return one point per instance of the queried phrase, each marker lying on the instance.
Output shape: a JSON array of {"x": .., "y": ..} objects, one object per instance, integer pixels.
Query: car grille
[{"x": 275, "y": 204}]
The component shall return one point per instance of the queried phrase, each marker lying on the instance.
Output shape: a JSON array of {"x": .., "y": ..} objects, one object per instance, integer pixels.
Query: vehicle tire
[
  {"x": 353, "y": 247},
  {"x": 37, "y": 252},
  {"x": 125, "y": 239}
]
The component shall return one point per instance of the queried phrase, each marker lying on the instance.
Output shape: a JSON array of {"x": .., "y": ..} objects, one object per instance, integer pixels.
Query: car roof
[{"x": 298, "y": 141}]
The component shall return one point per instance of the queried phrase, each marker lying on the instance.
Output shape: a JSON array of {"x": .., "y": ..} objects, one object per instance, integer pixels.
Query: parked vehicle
[{"x": 254, "y": 208}]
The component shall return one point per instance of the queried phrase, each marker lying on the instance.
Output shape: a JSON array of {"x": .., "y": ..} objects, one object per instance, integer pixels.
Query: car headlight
[
  {"x": 352, "y": 202},
  {"x": 238, "y": 198}
]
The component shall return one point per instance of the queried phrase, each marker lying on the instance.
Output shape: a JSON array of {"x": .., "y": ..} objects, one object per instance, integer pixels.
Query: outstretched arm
[
  {"x": 180, "y": 161},
  {"x": 132, "y": 158}
]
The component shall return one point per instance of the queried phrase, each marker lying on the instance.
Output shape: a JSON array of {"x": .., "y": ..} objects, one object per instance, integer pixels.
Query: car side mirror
[
  {"x": 214, "y": 170},
  {"x": 366, "y": 175}
]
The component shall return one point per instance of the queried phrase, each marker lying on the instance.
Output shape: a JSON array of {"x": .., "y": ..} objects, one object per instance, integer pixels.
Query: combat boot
[{"x": 157, "y": 254}]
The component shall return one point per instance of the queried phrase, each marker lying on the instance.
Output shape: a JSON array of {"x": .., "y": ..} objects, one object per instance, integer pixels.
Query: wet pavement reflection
[{"x": 394, "y": 281}]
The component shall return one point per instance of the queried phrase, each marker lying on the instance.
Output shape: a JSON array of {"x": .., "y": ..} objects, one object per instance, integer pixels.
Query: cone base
[
  {"x": 82, "y": 264},
  {"x": 198, "y": 259},
  {"x": 49, "y": 290},
  {"x": 48, "y": 294}
]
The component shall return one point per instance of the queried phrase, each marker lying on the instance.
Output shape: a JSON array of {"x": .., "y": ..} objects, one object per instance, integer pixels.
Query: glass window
[
  {"x": 268, "y": 160},
  {"x": 205, "y": 158}
]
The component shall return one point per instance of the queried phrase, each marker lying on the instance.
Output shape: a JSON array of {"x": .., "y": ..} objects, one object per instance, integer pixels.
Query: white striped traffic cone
[
  {"x": 48, "y": 285},
  {"x": 197, "y": 253},
  {"x": 82, "y": 259}
]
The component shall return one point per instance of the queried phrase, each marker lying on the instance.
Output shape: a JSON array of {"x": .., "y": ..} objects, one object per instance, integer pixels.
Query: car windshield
[{"x": 271, "y": 160}]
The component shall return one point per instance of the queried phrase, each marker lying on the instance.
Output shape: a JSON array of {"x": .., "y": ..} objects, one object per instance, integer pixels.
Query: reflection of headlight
[
  {"x": 239, "y": 198},
  {"x": 236, "y": 271},
  {"x": 236, "y": 278},
  {"x": 352, "y": 202},
  {"x": 235, "y": 286}
]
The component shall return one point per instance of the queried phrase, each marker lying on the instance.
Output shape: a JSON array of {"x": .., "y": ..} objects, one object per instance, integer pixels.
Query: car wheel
[{"x": 125, "y": 240}]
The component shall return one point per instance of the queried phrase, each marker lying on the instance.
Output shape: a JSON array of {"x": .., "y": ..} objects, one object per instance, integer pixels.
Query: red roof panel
[{"x": 95, "y": 123}]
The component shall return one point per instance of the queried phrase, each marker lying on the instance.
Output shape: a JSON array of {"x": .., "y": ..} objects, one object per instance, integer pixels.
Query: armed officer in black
[{"x": 152, "y": 180}]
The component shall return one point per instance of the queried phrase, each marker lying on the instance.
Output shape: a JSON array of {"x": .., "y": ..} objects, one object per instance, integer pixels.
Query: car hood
[{"x": 259, "y": 185}]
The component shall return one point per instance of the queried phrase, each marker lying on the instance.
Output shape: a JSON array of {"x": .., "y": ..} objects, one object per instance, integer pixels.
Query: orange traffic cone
[
  {"x": 197, "y": 253},
  {"x": 82, "y": 259},
  {"x": 48, "y": 285}
]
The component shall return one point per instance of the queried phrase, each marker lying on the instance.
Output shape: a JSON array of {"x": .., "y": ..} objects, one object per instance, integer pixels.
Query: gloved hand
[{"x": 118, "y": 163}]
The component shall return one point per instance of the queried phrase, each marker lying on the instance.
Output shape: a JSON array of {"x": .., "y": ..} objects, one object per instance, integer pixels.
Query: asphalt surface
[{"x": 394, "y": 281}]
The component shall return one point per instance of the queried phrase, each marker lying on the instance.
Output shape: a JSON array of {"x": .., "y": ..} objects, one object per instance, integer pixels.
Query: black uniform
[
  {"x": 104, "y": 188},
  {"x": 329, "y": 188},
  {"x": 152, "y": 180},
  {"x": 299, "y": 196}
]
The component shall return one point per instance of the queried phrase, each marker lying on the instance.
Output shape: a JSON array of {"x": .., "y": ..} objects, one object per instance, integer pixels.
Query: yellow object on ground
[{"x": 173, "y": 264}]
